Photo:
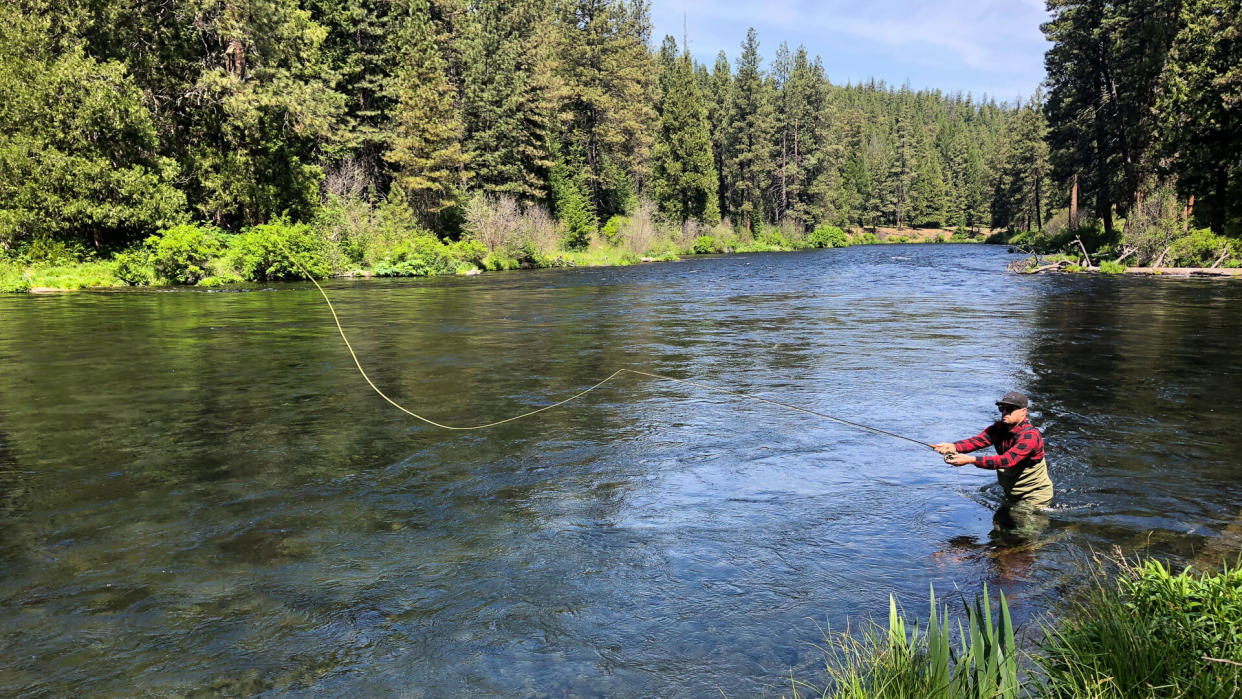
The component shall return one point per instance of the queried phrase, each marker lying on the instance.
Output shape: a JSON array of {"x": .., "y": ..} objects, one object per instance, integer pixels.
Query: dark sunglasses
[{"x": 1006, "y": 409}]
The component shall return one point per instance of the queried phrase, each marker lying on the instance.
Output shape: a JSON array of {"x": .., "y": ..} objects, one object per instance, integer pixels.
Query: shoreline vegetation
[
  {"x": 1135, "y": 629},
  {"x": 501, "y": 237},
  {"x": 419, "y": 137}
]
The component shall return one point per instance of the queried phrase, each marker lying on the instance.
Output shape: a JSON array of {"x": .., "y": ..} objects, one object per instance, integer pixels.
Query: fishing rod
[{"x": 737, "y": 394}]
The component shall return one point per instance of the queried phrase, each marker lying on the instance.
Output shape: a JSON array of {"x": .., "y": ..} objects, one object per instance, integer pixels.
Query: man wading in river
[{"x": 1019, "y": 462}]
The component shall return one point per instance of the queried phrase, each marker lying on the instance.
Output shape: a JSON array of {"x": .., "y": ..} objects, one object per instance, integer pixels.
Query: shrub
[
  {"x": 47, "y": 251},
  {"x": 865, "y": 238},
  {"x": 468, "y": 252},
  {"x": 1112, "y": 267},
  {"x": 219, "y": 280},
  {"x": 772, "y": 238},
  {"x": 267, "y": 252},
  {"x": 639, "y": 234},
  {"x": 1154, "y": 224},
  {"x": 1199, "y": 248},
  {"x": 505, "y": 229},
  {"x": 419, "y": 256},
  {"x": 827, "y": 237},
  {"x": 704, "y": 245},
  {"x": 1153, "y": 629},
  {"x": 612, "y": 230},
  {"x": 12, "y": 277},
  {"x": 182, "y": 253},
  {"x": 960, "y": 235},
  {"x": 134, "y": 266},
  {"x": 353, "y": 225}
]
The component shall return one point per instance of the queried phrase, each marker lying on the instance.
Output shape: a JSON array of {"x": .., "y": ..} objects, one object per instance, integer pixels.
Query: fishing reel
[{"x": 950, "y": 456}]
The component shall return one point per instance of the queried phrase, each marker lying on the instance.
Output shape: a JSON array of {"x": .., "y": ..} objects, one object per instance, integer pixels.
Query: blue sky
[{"x": 976, "y": 46}]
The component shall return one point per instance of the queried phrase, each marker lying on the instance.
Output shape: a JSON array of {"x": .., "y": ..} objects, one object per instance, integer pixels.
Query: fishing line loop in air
[{"x": 737, "y": 394}]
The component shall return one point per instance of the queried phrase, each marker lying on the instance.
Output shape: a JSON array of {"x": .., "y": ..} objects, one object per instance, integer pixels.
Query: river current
[{"x": 199, "y": 493}]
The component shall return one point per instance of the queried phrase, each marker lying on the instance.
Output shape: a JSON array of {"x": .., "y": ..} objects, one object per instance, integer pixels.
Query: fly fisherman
[{"x": 1019, "y": 461}]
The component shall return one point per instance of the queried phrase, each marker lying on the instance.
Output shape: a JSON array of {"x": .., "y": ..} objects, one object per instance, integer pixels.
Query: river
[{"x": 198, "y": 492}]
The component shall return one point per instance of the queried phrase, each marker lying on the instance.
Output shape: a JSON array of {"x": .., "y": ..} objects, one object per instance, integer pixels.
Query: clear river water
[{"x": 200, "y": 495}]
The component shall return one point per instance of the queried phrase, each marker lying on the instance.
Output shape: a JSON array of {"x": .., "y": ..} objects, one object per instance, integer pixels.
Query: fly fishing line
[{"x": 737, "y": 394}]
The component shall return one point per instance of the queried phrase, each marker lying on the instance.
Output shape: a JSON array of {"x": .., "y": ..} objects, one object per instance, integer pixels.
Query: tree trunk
[
  {"x": 784, "y": 193},
  {"x": 1039, "y": 217},
  {"x": 1221, "y": 207},
  {"x": 797, "y": 171},
  {"x": 1073, "y": 212}
]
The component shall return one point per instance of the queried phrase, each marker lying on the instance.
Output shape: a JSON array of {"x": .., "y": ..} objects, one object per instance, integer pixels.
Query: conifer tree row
[{"x": 235, "y": 112}]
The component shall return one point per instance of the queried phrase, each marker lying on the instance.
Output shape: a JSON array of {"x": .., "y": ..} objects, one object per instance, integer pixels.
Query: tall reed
[{"x": 926, "y": 664}]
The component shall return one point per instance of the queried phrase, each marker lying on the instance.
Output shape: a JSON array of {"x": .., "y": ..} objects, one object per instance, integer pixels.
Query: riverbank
[
  {"x": 1065, "y": 265},
  {"x": 1136, "y": 629},
  {"x": 196, "y": 255}
]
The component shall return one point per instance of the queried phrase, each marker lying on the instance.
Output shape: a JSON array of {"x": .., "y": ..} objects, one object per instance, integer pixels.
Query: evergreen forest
[{"x": 182, "y": 141}]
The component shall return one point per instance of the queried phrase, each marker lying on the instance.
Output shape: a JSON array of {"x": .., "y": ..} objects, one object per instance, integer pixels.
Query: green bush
[
  {"x": 772, "y": 238},
  {"x": 262, "y": 253},
  {"x": 468, "y": 251},
  {"x": 1149, "y": 635},
  {"x": 704, "y": 245},
  {"x": 1199, "y": 248},
  {"x": 827, "y": 237},
  {"x": 48, "y": 251},
  {"x": 134, "y": 266},
  {"x": 1112, "y": 267},
  {"x": 219, "y": 280},
  {"x": 183, "y": 253},
  {"x": 865, "y": 238},
  {"x": 12, "y": 277},
  {"x": 420, "y": 256},
  {"x": 500, "y": 262},
  {"x": 613, "y": 230}
]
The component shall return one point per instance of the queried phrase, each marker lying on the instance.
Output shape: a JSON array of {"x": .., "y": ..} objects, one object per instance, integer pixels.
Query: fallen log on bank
[
  {"x": 1062, "y": 266},
  {"x": 1185, "y": 271}
]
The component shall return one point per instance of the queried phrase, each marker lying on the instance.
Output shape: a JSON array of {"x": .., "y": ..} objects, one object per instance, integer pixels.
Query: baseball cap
[{"x": 1017, "y": 400}]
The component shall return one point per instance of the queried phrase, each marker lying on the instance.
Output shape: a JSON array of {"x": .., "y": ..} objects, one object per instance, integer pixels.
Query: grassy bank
[
  {"x": 1134, "y": 630},
  {"x": 349, "y": 238}
]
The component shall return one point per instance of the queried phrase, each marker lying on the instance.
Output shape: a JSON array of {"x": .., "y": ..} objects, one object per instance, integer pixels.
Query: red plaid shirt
[{"x": 1022, "y": 445}]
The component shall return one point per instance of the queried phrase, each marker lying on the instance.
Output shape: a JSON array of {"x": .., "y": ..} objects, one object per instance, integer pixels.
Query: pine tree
[
  {"x": 900, "y": 175},
  {"x": 719, "y": 98},
  {"x": 360, "y": 60},
  {"x": 1103, "y": 68},
  {"x": 1199, "y": 103},
  {"x": 610, "y": 78},
  {"x": 511, "y": 96},
  {"x": 261, "y": 111},
  {"x": 570, "y": 197},
  {"x": 683, "y": 178},
  {"x": 425, "y": 147},
  {"x": 749, "y": 146},
  {"x": 1020, "y": 189},
  {"x": 667, "y": 58}
]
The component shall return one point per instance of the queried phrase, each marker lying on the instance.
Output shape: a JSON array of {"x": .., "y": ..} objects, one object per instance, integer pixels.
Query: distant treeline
[
  {"x": 121, "y": 119},
  {"x": 124, "y": 118}
]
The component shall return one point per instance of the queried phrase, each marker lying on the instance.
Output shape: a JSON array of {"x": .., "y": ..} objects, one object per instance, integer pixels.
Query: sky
[{"x": 976, "y": 46}]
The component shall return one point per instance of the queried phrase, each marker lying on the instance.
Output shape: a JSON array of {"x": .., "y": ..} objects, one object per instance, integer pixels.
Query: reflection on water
[{"x": 199, "y": 494}]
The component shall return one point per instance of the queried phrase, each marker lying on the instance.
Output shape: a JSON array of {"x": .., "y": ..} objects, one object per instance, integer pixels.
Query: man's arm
[
  {"x": 1027, "y": 443},
  {"x": 979, "y": 441}
]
